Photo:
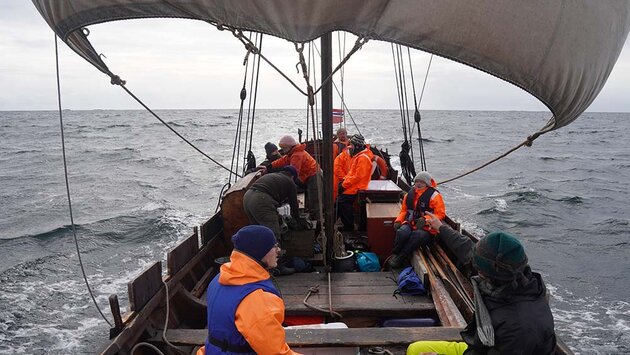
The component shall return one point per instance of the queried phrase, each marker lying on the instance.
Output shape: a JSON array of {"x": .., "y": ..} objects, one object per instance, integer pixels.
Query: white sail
[{"x": 561, "y": 52}]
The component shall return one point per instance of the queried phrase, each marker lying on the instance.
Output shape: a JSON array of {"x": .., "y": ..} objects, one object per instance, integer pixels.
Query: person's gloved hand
[
  {"x": 397, "y": 225},
  {"x": 340, "y": 188},
  {"x": 420, "y": 222}
]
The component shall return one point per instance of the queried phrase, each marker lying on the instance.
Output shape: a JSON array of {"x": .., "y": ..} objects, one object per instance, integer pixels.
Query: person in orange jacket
[
  {"x": 245, "y": 310},
  {"x": 309, "y": 173},
  {"x": 412, "y": 231},
  {"x": 358, "y": 178},
  {"x": 341, "y": 167}
]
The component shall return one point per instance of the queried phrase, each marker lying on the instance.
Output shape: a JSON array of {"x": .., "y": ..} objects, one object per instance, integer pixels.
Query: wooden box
[{"x": 380, "y": 230}]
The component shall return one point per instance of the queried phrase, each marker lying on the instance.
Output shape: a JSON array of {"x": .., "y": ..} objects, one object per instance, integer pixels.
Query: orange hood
[{"x": 241, "y": 270}]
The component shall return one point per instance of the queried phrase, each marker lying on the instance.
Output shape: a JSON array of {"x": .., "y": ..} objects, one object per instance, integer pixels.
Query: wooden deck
[{"x": 359, "y": 294}]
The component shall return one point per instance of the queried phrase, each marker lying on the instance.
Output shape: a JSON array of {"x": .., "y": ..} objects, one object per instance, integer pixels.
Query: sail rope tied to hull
[
  {"x": 65, "y": 170},
  {"x": 406, "y": 160},
  {"x": 416, "y": 102}
]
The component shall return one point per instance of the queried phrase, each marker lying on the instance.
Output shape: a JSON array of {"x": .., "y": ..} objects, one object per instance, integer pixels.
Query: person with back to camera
[
  {"x": 357, "y": 178},
  {"x": 245, "y": 309},
  {"x": 512, "y": 314},
  {"x": 412, "y": 231}
]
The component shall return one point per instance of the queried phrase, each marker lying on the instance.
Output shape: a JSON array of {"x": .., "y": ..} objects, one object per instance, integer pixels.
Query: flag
[{"x": 337, "y": 115}]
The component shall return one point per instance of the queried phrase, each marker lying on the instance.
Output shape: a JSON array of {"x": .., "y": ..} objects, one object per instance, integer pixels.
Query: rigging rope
[
  {"x": 343, "y": 103},
  {"x": 417, "y": 117},
  {"x": 65, "y": 170},
  {"x": 117, "y": 81},
  {"x": 528, "y": 143}
]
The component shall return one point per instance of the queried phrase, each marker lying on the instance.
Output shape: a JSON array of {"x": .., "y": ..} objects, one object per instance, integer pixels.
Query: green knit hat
[{"x": 500, "y": 256}]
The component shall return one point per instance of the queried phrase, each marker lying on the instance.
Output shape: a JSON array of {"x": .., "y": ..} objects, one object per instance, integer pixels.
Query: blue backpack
[{"x": 409, "y": 283}]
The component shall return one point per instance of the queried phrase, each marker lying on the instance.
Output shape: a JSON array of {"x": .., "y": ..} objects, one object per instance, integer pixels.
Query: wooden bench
[{"x": 365, "y": 294}]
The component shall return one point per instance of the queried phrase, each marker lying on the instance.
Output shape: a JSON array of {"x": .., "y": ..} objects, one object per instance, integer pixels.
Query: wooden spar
[
  {"x": 327, "y": 127},
  {"x": 447, "y": 311},
  {"x": 456, "y": 293},
  {"x": 460, "y": 278}
]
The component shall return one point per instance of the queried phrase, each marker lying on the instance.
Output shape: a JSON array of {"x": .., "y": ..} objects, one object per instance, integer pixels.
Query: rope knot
[
  {"x": 529, "y": 141},
  {"x": 116, "y": 80}
]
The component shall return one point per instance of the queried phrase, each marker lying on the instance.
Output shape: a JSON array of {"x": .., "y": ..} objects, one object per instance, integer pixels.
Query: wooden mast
[{"x": 327, "y": 127}]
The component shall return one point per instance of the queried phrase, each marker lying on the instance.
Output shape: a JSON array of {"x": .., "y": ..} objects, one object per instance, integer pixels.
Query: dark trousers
[
  {"x": 312, "y": 195},
  {"x": 344, "y": 210},
  {"x": 262, "y": 209},
  {"x": 408, "y": 240}
]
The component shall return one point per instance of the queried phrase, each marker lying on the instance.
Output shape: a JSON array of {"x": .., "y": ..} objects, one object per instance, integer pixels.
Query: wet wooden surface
[{"x": 354, "y": 293}]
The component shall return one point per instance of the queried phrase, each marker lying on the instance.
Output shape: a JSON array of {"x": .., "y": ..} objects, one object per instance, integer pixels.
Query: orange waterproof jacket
[
  {"x": 341, "y": 168},
  {"x": 260, "y": 314},
  {"x": 338, "y": 147},
  {"x": 299, "y": 158},
  {"x": 436, "y": 203},
  {"x": 360, "y": 172}
]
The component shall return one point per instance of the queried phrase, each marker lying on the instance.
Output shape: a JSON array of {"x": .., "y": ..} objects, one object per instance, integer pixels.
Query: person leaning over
[
  {"x": 270, "y": 191},
  {"x": 358, "y": 178},
  {"x": 512, "y": 314},
  {"x": 309, "y": 173},
  {"x": 410, "y": 225},
  {"x": 245, "y": 310}
]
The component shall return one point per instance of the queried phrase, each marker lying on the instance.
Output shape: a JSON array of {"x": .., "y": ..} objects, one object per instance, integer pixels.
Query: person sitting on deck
[
  {"x": 309, "y": 173},
  {"x": 512, "y": 314},
  {"x": 245, "y": 309},
  {"x": 410, "y": 225},
  {"x": 358, "y": 178}
]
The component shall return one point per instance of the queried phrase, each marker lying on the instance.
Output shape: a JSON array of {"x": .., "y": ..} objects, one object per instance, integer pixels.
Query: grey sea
[{"x": 137, "y": 190}]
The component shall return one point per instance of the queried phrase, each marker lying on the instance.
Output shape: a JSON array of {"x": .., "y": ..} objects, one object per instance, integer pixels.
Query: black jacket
[
  {"x": 521, "y": 317},
  {"x": 280, "y": 187}
]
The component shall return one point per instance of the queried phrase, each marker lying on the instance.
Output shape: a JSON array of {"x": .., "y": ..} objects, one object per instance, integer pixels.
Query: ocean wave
[{"x": 591, "y": 324}]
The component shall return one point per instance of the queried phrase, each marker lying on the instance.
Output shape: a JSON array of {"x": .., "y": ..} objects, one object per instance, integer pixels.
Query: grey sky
[{"x": 188, "y": 64}]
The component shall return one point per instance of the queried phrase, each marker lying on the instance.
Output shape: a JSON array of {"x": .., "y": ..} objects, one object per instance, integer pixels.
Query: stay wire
[
  {"x": 343, "y": 103},
  {"x": 65, "y": 170},
  {"x": 398, "y": 89},
  {"x": 417, "y": 103},
  {"x": 236, "y": 148},
  {"x": 403, "y": 79},
  {"x": 255, "y": 93}
]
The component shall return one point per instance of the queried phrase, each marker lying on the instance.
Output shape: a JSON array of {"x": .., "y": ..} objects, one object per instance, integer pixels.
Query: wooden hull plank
[{"x": 349, "y": 337}]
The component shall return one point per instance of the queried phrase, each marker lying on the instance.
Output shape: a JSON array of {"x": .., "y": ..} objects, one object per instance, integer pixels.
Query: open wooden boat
[
  {"x": 559, "y": 52},
  {"x": 364, "y": 301}
]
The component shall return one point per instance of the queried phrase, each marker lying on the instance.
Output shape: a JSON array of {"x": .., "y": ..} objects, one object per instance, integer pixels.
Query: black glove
[
  {"x": 303, "y": 224},
  {"x": 340, "y": 188},
  {"x": 397, "y": 225},
  {"x": 420, "y": 222}
]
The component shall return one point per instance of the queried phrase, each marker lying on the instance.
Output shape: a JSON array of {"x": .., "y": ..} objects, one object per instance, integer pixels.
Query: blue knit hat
[
  {"x": 500, "y": 256},
  {"x": 254, "y": 240}
]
